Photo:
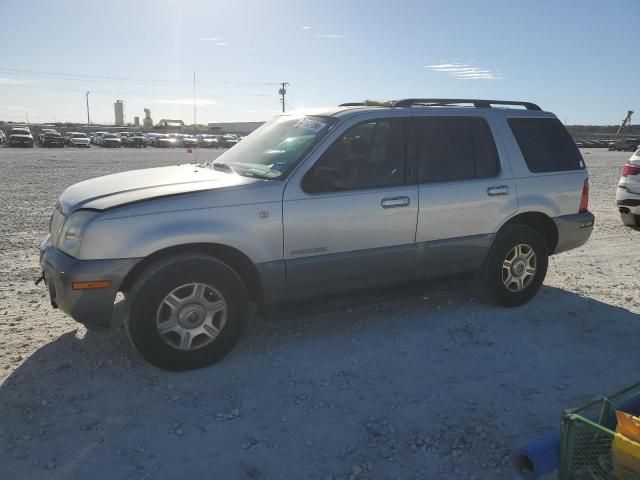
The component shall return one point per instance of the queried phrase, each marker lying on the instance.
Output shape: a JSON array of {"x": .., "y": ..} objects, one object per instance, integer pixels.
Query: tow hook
[{"x": 40, "y": 279}]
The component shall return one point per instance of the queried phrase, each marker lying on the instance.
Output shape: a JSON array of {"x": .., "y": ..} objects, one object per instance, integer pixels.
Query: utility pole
[
  {"x": 88, "y": 119},
  {"x": 283, "y": 92}
]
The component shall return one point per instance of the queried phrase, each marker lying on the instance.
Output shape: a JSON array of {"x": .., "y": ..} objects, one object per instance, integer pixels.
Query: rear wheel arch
[
  {"x": 538, "y": 221},
  {"x": 233, "y": 257}
]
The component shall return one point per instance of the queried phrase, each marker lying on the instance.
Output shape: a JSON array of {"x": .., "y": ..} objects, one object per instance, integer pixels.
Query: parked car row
[
  {"x": 164, "y": 140},
  {"x": 626, "y": 145},
  {"x": 21, "y": 136}
]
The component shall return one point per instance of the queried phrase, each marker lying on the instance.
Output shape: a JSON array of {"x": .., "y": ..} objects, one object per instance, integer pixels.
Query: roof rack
[{"x": 442, "y": 102}]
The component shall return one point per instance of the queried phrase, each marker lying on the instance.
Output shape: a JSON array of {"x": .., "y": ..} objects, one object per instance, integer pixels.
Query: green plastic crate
[{"x": 585, "y": 446}]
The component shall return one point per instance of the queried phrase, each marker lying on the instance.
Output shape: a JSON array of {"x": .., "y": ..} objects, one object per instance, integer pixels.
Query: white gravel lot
[{"x": 425, "y": 382}]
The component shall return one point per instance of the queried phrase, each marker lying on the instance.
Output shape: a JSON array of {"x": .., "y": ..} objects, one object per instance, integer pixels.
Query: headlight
[{"x": 70, "y": 236}]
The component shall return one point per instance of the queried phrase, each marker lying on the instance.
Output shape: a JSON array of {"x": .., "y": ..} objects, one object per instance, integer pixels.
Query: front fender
[{"x": 244, "y": 227}]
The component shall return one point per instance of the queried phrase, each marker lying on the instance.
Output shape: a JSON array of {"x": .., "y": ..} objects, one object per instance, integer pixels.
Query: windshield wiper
[
  {"x": 242, "y": 171},
  {"x": 223, "y": 166}
]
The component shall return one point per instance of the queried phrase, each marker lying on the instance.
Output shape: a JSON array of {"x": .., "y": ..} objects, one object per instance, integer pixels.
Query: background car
[
  {"x": 628, "y": 145},
  {"x": 78, "y": 139},
  {"x": 51, "y": 139},
  {"x": 97, "y": 138},
  {"x": 134, "y": 139},
  {"x": 164, "y": 141},
  {"x": 189, "y": 141},
  {"x": 20, "y": 137},
  {"x": 228, "y": 140},
  {"x": 208, "y": 141},
  {"x": 628, "y": 192},
  {"x": 110, "y": 140}
]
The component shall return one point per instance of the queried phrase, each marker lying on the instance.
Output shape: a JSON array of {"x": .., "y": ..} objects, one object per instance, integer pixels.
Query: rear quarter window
[{"x": 546, "y": 145}]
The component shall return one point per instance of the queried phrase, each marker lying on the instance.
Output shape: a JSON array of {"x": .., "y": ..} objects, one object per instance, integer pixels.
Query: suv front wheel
[
  {"x": 516, "y": 266},
  {"x": 187, "y": 311}
]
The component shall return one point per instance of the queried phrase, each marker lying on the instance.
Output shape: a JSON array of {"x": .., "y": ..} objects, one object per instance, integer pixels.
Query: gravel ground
[{"x": 423, "y": 382}]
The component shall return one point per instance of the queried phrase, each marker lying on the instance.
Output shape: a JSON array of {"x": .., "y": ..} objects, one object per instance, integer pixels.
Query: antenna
[{"x": 195, "y": 150}]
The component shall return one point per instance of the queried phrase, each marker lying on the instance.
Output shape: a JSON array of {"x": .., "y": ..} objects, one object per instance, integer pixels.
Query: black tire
[
  {"x": 630, "y": 220},
  {"x": 161, "y": 278},
  {"x": 492, "y": 271}
]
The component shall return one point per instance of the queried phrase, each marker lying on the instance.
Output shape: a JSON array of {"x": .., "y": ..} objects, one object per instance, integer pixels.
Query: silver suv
[{"x": 365, "y": 194}]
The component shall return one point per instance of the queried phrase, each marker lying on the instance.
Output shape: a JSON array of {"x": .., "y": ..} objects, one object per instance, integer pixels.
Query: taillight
[
  {"x": 584, "y": 201},
  {"x": 630, "y": 169}
]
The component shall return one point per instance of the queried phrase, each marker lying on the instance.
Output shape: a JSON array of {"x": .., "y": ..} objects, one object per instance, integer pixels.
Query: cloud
[
  {"x": 220, "y": 41},
  {"x": 329, "y": 35},
  {"x": 305, "y": 27},
  {"x": 11, "y": 81},
  {"x": 465, "y": 71},
  {"x": 188, "y": 101},
  {"x": 12, "y": 107}
]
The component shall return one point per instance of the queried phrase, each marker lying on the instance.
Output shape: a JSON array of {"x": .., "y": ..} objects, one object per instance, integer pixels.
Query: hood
[
  {"x": 20, "y": 135},
  {"x": 133, "y": 186},
  {"x": 79, "y": 140}
]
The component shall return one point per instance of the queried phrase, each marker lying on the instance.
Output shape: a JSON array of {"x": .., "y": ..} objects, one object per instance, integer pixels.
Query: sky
[{"x": 577, "y": 59}]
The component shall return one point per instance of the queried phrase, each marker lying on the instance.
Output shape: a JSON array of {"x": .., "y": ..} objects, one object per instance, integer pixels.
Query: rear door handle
[
  {"x": 395, "y": 202},
  {"x": 498, "y": 191}
]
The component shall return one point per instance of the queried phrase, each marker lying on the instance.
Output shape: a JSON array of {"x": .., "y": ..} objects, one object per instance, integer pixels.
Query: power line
[
  {"x": 112, "y": 79},
  {"x": 145, "y": 94}
]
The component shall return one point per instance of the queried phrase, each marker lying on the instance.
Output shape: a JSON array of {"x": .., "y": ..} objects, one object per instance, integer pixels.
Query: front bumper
[
  {"x": 90, "y": 307},
  {"x": 21, "y": 143},
  {"x": 573, "y": 230}
]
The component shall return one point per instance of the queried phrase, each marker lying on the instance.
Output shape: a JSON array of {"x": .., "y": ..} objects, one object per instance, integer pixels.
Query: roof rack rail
[{"x": 443, "y": 102}]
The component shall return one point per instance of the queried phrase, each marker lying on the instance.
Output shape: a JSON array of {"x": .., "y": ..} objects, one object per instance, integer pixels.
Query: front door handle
[
  {"x": 395, "y": 202},
  {"x": 498, "y": 191}
]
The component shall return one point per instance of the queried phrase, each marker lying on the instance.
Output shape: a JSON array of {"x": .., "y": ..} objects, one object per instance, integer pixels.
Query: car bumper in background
[
  {"x": 627, "y": 201},
  {"x": 21, "y": 143},
  {"x": 573, "y": 230},
  {"x": 94, "y": 306}
]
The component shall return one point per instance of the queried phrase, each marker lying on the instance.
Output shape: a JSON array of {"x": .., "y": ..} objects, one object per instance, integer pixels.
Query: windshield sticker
[{"x": 312, "y": 125}]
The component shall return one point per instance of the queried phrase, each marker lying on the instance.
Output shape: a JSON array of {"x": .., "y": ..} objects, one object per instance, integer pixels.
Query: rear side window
[
  {"x": 546, "y": 145},
  {"x": 455, "y": 148}
]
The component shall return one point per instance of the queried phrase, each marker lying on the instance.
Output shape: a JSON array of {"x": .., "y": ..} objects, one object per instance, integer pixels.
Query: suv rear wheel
[
  {"x": 516, "y": 266},
  {"x": 186, "y": 312}
]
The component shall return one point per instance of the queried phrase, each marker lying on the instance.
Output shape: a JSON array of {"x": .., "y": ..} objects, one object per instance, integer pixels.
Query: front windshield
[
  {"x": 109, "y": 135},
  {"x": 78, "y": 135},
  {"x": 271, "y": 150}
]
